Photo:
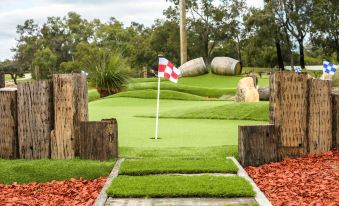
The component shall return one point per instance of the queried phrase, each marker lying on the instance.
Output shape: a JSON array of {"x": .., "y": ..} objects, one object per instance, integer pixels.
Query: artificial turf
[
  {"x": 215, "y": 152},
  {"x": 195, "y": 90},
  {"x": 182, "y": 166},
  {"x": 179, "y": 186},
  {"x": 26, "y": 171},
  {"x": 137, "y": 132},
  {"x": 165, "y": 94},
  {"x": 229, "y": 111}
]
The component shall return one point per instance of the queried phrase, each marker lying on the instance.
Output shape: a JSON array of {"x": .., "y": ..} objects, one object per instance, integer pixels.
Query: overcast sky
[{"x": 14, "y": 12}]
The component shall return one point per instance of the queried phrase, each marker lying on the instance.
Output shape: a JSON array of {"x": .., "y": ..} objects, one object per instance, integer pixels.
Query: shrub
[{"x": 110, "y": 73}]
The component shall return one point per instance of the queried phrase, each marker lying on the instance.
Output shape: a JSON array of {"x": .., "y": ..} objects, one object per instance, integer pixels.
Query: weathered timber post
[
  {"x": 288, "y": 112},
  {"x": 8, "y": 124},
  {"x": 70, "y": 108},
  {"x": 2, "y": 80},
  {"x": 335, "y": 120},
  {"x": 98, "y": 140},
  {"x": 35, "y": 119},
  {"x": 319, "y": 118},
  {"x": 257, "y": 145}
]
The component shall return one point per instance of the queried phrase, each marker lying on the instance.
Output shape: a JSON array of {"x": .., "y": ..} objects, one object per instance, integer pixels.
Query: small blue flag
[
  {"x": 329, "y": 68},
  {"x": 298, "y": 69}
]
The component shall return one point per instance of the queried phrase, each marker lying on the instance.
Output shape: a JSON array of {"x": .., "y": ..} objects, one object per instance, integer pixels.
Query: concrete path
[
  {"x": 104, "y": 200},
  {"x": 177, "y": 201}
]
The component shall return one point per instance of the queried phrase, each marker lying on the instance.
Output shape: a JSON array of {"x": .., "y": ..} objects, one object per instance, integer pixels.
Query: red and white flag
[{"x": 167, "y": 70}]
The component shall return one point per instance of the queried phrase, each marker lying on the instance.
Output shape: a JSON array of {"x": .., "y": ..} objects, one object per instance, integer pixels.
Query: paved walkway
[
  {"x": 103, "y": 200},
  {"x": 177, "y": 201}
]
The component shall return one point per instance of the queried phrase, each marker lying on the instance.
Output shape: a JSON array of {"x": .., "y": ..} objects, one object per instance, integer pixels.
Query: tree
[
  {"x": 263, "y": 36},
  {"x": 324, "y": 27},
  {"x": 11, "y": 68},
  {"x": 295, "y": 16},
  {"x": 45, "y": 61},
  {"x": 28, "y": 43}
]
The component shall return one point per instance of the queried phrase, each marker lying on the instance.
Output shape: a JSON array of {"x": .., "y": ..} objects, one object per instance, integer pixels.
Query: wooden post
[
  {"x": 288, "y": 112},
  {"x": 183, "y": 32},
  {"x": 70, "y": 107},
  {"x": 319, "y": 129},
  {"x": 2, "y": 80},
  {"x": 98, "y": 140},
  {"x": 257, "y": 144},
  {"x": 335, "y": 120},
  {"x": 8, "y": 124},
  {"x": 35, "y": 119}
]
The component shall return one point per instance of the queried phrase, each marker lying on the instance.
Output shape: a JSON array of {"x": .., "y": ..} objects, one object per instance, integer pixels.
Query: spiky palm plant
[{"x": 111, "y": 73}]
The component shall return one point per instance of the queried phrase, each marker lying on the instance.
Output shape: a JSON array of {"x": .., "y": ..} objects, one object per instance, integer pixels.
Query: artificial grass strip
[
  {"x": 182, "y": 166},
  {"x": 216, "y": 152},
  {"x": 179, "y": 186},
  {"x": 27, "y": 171},
  {"x": 165, "y": 94}
]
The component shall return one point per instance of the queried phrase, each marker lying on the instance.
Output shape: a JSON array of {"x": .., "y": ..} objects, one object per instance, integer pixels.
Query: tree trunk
[
  {"x": 239, "y": 50},
  {"x": 301, "y": 50},
  {"x": 279, "y": 55},
  {"x": 183, "y": 32},
  {"x": 2, "y": 80},
  {"x": 289, "y": 47}
]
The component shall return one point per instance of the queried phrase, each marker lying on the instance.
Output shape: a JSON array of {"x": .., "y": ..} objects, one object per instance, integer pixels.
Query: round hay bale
[
  {"x": 225, "y": 66},
  {"x": 193, "y": 68}
]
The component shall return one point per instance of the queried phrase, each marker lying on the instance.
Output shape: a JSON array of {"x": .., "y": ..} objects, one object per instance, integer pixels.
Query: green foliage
[
  {"x": 45, "y": 60},
  {"x": 179, "y": 186},
  {"x": 165, "y": 94},
  {"x": 27, "y": 171},
  {"x": 184, "y": 166}
]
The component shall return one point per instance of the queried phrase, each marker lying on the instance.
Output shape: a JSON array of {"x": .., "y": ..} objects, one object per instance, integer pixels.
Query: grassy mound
[
  {"x": 195, "y": 90},
  {"x": 179, "y": 186},
  {"x": 93, "y": 94},
  {"x": 231, "y": 111},
  {"x": 209, "y": 80},
  {"x": 183, "y": 166},
  {"x": 26, "y": 171},
  {"x": 165, "y": 94}
]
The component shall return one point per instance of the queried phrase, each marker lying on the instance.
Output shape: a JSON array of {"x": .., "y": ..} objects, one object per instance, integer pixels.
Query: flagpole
[{"x": 157, "y": 115}]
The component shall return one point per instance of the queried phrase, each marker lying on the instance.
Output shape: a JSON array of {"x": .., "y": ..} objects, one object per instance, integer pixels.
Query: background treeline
[{"x": 284, "y": 32}]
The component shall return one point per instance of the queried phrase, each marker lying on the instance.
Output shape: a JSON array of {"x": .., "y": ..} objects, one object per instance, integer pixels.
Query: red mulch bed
[
  {"x": 70, "y": 192},
  {"x": 310, "y": 180}
]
